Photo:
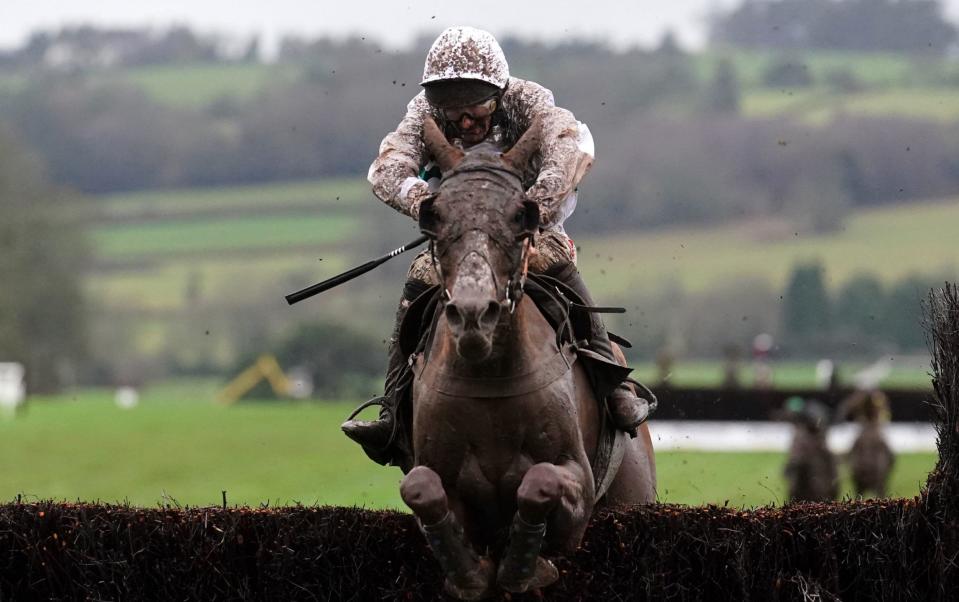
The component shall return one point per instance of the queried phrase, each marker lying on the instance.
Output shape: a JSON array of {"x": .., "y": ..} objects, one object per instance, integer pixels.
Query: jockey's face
[{"x": 472, "y": 122}]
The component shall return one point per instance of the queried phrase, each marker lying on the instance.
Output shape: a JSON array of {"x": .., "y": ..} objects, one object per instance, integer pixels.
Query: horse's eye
[{"x": 520, "y": 217}]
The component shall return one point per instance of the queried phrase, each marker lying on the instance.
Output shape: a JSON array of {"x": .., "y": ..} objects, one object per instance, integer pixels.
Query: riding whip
[{"x": 326, "y": 285}]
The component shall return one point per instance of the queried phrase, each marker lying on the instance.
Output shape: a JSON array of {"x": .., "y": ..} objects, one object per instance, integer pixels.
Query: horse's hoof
[
  {"x": 476, "y": 585},
  {"x": 545, "y": 575}
]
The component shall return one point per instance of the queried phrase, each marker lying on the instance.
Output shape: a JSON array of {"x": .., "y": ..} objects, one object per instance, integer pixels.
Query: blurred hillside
[
  {"x": 698, "y": 138},
  {"x": 214, "y": 183}
]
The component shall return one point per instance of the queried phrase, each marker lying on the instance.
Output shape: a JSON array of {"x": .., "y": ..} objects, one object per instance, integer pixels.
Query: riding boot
[
  {"x": 626, "y": 407},
  {"x": 376, "y": 435}
]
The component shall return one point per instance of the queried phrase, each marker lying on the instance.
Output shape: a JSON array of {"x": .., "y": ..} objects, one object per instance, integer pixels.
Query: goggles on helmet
[{"x": 475, "y": 112}]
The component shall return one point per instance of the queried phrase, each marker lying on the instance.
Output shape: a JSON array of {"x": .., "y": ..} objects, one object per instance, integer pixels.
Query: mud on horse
[{"x": 505, "y": 424}]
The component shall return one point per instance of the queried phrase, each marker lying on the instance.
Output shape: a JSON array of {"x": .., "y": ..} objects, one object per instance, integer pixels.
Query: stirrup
[
  {"x": 378, "y": 401},
  {"x": 647, "y": 394}
]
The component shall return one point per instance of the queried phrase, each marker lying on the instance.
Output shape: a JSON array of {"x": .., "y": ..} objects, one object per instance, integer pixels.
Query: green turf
[
  {"x": 751, "y": 479},
  {"x": 926, "y": 103},
  {"x": 167, "y": 286},
  {"x": 331, "y": 193},
  {"x": 11, "y": 83},
  {"x": 873, "y": 69},
  {"x": 200, "y": 84},
  {"x": 122, "y": 241},
  {"x": 816, "y": 105},
  {"x": 786, "y": 374},
  {"x": 915, "y": 238},
  {"x": 188, "y": 450},
  {"x": 891, "y": 243},
  {"x": 178, "y": 446},
  {"x": 765, "y": 102}
]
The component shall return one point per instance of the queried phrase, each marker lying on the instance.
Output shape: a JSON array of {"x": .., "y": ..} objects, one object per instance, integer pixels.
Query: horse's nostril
[
  {"x": 453, "y": 315},
  {"x": 490, "y": 315}
]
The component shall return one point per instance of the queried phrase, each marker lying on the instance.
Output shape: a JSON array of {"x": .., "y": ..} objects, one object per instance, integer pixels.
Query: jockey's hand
[
  {"x": 544, "y": 194},
  {"x": 417, "y": 193},
  {"x": 532, "y": 253}
]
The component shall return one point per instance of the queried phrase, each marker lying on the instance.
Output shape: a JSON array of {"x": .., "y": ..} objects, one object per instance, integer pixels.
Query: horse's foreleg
[
  {"x": 468, "y": 576},
  {"x": 548, "y": 493}
]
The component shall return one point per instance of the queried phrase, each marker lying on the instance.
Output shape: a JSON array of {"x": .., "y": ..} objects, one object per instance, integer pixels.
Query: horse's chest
[{"x": 486, "y": 445}]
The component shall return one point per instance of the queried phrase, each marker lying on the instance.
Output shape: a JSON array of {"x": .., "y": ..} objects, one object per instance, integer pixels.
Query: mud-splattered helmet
[{"x": 465, "y": 66}]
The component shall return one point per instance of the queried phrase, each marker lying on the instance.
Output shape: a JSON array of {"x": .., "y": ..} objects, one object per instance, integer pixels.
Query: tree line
[
  {"x": 913, "y": 26},
  {"x": 43, "y": 255},
  {"x": 671, "y": 147}
]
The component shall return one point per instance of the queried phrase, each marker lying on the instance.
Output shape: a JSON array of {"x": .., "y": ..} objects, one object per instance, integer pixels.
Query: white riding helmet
[{"x": 465, "y": 53}]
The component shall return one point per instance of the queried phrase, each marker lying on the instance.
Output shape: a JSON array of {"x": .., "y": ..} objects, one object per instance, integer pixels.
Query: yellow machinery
[{"x": 266, "y": 367}]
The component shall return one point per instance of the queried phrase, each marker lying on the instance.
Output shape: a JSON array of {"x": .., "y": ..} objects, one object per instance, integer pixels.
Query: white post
[{"x": 12, "y": 389}]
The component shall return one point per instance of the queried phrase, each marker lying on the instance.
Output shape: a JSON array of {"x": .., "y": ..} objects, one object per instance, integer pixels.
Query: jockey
[{"x": 469, "y": 92}]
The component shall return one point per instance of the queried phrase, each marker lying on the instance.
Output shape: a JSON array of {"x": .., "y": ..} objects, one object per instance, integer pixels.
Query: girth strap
[{"x": 545, "y": 374}]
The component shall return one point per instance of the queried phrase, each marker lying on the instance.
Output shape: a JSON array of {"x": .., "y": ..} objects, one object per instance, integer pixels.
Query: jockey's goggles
[{"x": 475, "y": 112}]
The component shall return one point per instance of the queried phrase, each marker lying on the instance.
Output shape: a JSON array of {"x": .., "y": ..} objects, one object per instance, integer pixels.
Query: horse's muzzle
[{"x": 472, "y": 322}]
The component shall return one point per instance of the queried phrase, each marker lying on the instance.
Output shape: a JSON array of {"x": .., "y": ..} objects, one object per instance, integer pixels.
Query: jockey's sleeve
[
  {"x": 393, "y": 174},
  {"x": 566, "y": 151}
]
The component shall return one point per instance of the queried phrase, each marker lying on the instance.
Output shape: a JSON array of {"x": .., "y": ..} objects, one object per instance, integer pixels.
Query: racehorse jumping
[{"x": 506, "y": 429}]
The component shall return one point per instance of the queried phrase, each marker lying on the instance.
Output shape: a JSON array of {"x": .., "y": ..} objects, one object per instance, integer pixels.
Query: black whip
[{"x": 326, "y": 285}]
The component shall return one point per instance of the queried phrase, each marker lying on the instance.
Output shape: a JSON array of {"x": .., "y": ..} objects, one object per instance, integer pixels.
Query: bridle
[{"x": 517, "y": 277}]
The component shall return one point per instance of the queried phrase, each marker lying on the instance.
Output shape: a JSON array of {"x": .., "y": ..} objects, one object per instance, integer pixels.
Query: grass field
[
  {"x": 224, "y": 234},
  {"x": 179, "y": 447},
  {"x": 906, "y": 374},
  {"x": 165, "y": 286},
  {"x": 890, "y": 242},
  {"x": 200, "y": 84},
  {"x": 330, "y": 193},
  {"x": 874, "y": 69},
  {"x": 182, "y": 257},
  {"x": 818, "y": 106}
]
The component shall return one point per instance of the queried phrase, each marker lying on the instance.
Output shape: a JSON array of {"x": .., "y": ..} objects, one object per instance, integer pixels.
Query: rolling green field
[
  {"x": 308, "y": 195},
  {"x": 178, "y": 447},
  {"x": 871, "y": 68},
  {"x": 890, "y": 242},
  {"x": 223, "y": 234},
  {"x": 292, "y": 241},
  {"x": 200, "y": 84},
  {"x": 906, "y": 374},
  {"x": 819, "y": 106},
  {"x": 170, "y": 258}
]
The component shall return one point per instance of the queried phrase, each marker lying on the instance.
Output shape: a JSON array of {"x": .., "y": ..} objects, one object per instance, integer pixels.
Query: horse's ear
[
  {"x": 518, "y": 157},
  {"x": 445, "y": 154},
  {"x": 429, "y": 220},
  {"x": 530, "y": 217}
]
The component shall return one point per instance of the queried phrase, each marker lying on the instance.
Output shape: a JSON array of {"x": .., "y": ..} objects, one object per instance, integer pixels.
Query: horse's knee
[
  {"x": 422, "y": 490},
  {"x": 543, "y": 486}
]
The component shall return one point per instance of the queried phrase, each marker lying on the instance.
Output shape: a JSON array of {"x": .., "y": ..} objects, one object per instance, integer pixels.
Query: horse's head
[{"x": 480, "y": 224}]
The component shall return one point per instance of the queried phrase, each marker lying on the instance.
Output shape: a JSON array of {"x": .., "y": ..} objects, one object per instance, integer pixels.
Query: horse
[{"x": 505, "y": 424}]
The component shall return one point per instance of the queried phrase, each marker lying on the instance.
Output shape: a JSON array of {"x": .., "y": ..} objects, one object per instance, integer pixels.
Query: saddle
[{"x": 569, "y": 316}]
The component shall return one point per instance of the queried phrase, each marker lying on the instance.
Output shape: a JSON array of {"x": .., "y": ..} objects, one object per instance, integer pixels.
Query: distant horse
[
  {"x": 870, "y": 458},
  {"x": 505, "y": 425},
  {"x": 810, "y": 471}
]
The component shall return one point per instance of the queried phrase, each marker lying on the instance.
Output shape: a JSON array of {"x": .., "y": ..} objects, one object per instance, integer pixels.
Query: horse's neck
[{"x": 520, "y": 341}]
